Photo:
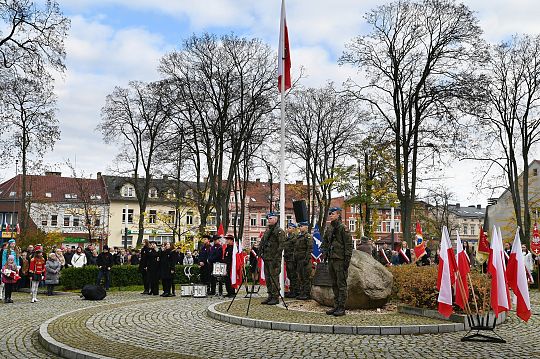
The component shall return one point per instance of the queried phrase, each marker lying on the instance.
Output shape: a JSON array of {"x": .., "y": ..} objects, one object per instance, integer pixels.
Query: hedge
[
  {"x": 417, "y": 286},
  {"x": 121, "y": 276}
]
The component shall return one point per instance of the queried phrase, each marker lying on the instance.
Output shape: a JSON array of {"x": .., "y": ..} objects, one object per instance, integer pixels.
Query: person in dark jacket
[
  {"x": 227, "y": 259},
  {"x": 214, "y": 256},
  {"x": 204, "y": 265},
  {"x": 152, "y": 268},
  {"x": 104, "y": 263},
  {"x": 167, "y": 265},
  {"x": 143, "y": 266}
]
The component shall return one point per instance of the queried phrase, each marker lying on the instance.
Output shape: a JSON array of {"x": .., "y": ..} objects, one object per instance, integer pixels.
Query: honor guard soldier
[
  {"x": 228, "y": 259},
  {"x": 337, "y": 250},
  {"x": 302, "y": 258},
  {"x": 270, "y": 250},
  {"x": 290, "y": 243}
]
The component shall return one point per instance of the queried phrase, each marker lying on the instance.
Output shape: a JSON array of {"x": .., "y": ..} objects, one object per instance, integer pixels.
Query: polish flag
[
  {"x": 419, "y": 246},
  {"x": 260, "y": 264},
  {"x": 517, "y": 279},
  {"x": 234, "y": 280},
  {"x": 500, "y": 296},
  {"x": 446, "y": 275},
  {"x": 284, "y": 55},
  {"x": 464, "y": 268}
]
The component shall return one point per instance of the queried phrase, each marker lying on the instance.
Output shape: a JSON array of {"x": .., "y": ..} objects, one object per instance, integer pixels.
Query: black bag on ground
[{"x": 93, "y": 292}]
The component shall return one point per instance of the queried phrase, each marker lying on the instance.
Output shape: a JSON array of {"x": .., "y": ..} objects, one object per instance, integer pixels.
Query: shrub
[
  {"x": 417, "y": 287},
  {"x": 121, "y": 276}
]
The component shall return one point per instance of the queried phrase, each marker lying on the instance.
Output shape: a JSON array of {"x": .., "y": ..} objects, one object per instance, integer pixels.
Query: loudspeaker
[
  {"x": 300, "y": 211},
  {"x": 93, "y": 292}
]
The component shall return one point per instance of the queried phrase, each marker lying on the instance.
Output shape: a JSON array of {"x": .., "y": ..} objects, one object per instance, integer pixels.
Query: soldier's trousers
[
  {"x": 303, "y": 269},
  {"x": 271, "y": 273},
  {"x": 292, "y": 275},
  {"x": 339, "y": 281}
]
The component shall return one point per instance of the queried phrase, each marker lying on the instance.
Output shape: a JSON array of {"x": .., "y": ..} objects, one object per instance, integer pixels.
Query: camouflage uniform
[
  {"x": 302, "y": 257},
  {"x": 337, "y": 249},
  {"x": 271, "y": 247},
  {"x": 290, "y": 263}
]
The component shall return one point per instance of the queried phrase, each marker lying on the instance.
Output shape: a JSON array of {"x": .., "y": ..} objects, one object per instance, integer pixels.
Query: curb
[{"x": 333, "y": 329}]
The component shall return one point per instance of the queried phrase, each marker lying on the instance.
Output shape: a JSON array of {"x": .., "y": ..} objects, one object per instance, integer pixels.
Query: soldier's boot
[
  {"x": 339, "y": 312},
  {"x": 290, "y": 295},
  {"x": 273, "y": 301},
  {"x": 331, "y": 311},
  {"x": 266, "y": 300}
]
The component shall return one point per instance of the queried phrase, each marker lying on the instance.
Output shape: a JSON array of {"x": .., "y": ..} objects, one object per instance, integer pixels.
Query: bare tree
[
  {"x": 420, "y": 60},
  {"x": 511, "y": 118},
  {"x": 138, "y": 118},
  {"x": 322, "y": 125},
  {"x": 32, "y": 37},
  {"x": 29, "y": 127}
]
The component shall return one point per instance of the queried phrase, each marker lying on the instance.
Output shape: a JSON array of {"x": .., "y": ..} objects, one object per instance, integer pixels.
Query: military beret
[
  {"x": 229, "y": 236},
  {"x": 334, "y": 209},
  {"x": 291, "y": 225},
  {"x": 272, "y": 214},
  {"x": 305, "y": 223}
]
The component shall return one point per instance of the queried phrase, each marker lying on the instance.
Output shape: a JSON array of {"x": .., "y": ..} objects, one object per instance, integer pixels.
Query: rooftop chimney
[
  {"x": 258, "y": 180},
  {"x": 50, "y": 173},
  {"x": 478, "y": 206},
  {"x": 165, "y": 177},
  {"x": 299, "y": 182},
  {"x": 98, "y": 175},
  {"x": 457, "y": 205}
]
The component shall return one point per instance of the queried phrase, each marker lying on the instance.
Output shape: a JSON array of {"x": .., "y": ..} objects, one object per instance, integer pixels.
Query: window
[
  {"x": 54, "y": 220},
  {"x": 465, "y": 227},
  {"x": 289, "y": 219},
  {"x": 44, "y": 219},
  {"x": 189, "y": 218},
  {"x": 97, "y": 221},
  {"x": 263, "y": 222},
  {"x": 397, "y": 226},
  {"x": 535, "y": 171},
  {"x": 171, "y": 194},
  {"x": 48, "y": 194},
  {"x": 130, "y": 215},
  {"x": 253, "y": 241},
  {"x": 152, "y": 216},
  {"x": 12, "y": 194},
  {"x": 352, "y": 225},
  {"x": 379, "y": 228},
  {"x": 211, "y": 220},
  {"x": 252, "y": 220},
  {"x": 473, "y": 229},
  {"x": 129, "y": 241},
  {"x": 128, "y": 190},
  {"x": 76, "y": 221},
  {"x": 171, "y": 216},
  {"x": 160, "y": 239},
  {"x": 153, "y": 193},
  {"x": 28, "y": 193},
  {"x": 66, "y": 221},
  {"x": 95, "y": 197}
]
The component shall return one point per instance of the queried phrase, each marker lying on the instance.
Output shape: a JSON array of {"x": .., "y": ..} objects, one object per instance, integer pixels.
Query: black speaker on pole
[{"x": 300, "y": 211}]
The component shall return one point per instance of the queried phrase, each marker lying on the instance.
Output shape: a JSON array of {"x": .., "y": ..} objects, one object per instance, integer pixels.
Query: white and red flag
[
  {"x": 517, "y": 279},
  {"x": 234, "y": 280},
  {"x": 284, "y": 55},
  {"x": 446, "y": 275},
  {"x": 463, "y": 266},
  {"x": 500, "y": 296},
  {"x": 535, "y": 240},
  {"x": 262, "y": 277}
]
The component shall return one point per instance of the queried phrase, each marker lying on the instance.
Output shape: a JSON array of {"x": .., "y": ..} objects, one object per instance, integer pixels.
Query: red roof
[{"x": 259, "y": 194}]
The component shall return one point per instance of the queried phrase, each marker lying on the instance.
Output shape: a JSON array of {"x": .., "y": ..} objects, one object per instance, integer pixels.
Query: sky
[{"x": 112, "y": 42}]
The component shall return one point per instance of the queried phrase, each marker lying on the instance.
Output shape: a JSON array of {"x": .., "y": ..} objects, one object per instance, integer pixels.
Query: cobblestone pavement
[{"x": 128, "y": 325}]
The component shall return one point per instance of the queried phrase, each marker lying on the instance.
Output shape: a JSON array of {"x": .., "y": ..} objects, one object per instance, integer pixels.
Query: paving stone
[
  {"x": 428, "y": 329},
  {"x": 344, "y": 329},
  {"x": 390, "y": 330},
  {"x": 368, "y": 330},
  {"x": 410, "y": 329}
]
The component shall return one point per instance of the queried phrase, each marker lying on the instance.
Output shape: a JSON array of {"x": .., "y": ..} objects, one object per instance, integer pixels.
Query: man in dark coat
[
  {"x": 404, "y": 254},
  {"x": 143, "y": 266},
  {"x": 204, "y": 264},
  {"x": 167, "y": 268},
  {"x": 227, "y": 259},
  {"x": 152, "y": 268},
  {"x": 214, "y": 256},
  {"x": 104, "y": 263},
  {"x": 337, "y": 250}
]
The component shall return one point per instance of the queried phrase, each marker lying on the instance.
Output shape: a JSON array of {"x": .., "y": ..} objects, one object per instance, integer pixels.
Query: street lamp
[{"x": 126, "y": 227}]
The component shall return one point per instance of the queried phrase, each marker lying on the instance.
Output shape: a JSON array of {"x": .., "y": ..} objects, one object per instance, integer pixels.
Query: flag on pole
[
  {"x": 446, "y": 275},
  {"x": 317, "y": 241},
  {"x": 262, "y": 277},
  {"x": 535, "y": 241},
  {"x": 221, "y": 231},
  {"x": 483, "y": 243},
  {"x": 500, "y": 296},
  {"x": 234, "y": 278},
  {"x": 462, "y": 260},
  {"x": 18, "y": 229},
  {"x": 517, "y": 279},
  {"x": 419, "y": 247},
  {"x": 284, "y": 55}
]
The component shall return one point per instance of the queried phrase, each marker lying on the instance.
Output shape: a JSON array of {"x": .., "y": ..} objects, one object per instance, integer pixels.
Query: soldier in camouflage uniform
[
  {"x": 271, "y": 247},
  {"x": 302, "y": 257},
  {"x": 337, "y": 250},
  {"x": 290, "y": 242}
]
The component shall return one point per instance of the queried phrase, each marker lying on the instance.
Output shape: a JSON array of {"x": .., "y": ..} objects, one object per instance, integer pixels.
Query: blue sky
[{"x": 114, "y": 41}]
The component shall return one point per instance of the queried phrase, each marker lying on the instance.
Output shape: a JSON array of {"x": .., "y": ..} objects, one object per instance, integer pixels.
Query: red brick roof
[{"x": 53, "y": 188}]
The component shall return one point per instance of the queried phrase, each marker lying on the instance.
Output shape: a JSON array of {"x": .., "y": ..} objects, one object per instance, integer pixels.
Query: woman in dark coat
[
  {"x": 152, "y": 268},
  {"x": 166, "y": 267}
]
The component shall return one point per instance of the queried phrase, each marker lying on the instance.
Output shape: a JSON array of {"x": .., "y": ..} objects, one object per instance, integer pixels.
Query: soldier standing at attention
[
  {"x": 290, "y": 242},
  {"x": 302, "y": 258},
  {"x": 271, "y": 247},
  {"x": 337, "y": 250}
]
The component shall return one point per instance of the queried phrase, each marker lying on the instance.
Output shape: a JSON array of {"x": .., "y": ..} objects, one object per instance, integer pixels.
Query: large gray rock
[{"x": 369, "y": 284}]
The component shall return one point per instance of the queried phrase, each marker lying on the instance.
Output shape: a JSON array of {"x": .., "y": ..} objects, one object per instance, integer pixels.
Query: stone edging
[
  {"x": 60, "y": 349},
  {"x": 334, "y": 329}
]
